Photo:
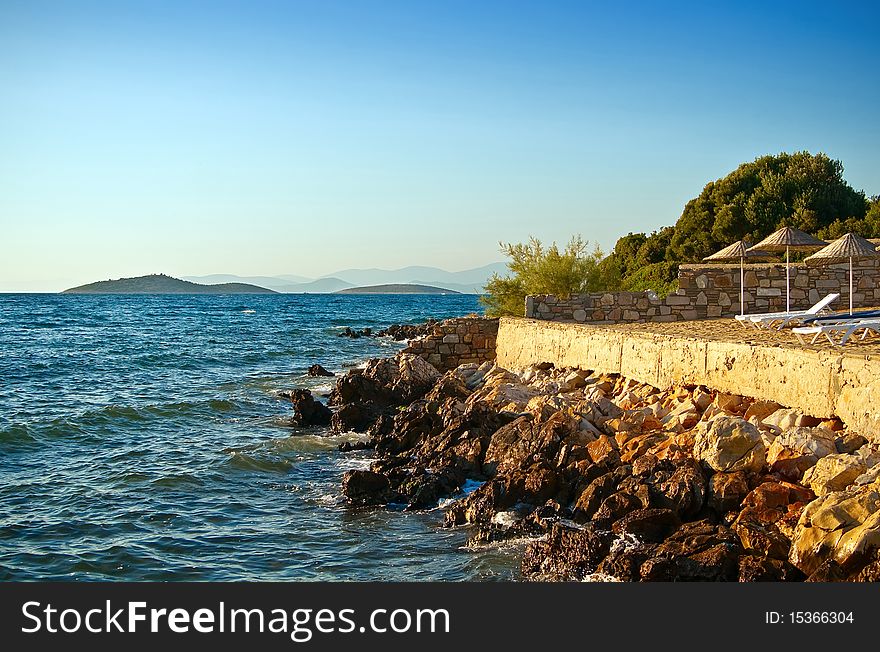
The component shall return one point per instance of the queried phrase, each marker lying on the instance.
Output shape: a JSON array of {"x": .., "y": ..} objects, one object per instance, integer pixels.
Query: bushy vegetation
[
  {"x": 801, "y": 190},
  {"x": 536, "y": 269}
]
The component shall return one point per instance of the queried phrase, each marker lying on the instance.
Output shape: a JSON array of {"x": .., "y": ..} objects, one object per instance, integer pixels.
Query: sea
[{"x": 143, "y": 438}]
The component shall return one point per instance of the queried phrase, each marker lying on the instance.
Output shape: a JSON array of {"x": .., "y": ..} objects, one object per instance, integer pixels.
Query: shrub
[{"x": 536, "y": 269}]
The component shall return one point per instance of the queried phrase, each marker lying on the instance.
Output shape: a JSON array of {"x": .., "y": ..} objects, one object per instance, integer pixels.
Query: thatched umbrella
[
  {"x": 786, "y": 239},
  {"x": 846, "y": 248},
  {"x": 739, "y": 250}
]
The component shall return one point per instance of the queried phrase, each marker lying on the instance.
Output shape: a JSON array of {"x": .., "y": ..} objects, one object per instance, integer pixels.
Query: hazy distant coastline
[
  {"x": 468, "y": 281},
  {"x": 162, "y": 284},
  {"x": 398, "y": 288}
]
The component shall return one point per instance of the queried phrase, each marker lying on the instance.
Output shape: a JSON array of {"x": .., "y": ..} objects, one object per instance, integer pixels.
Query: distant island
[
  {"x": 162, "y": 284},
  {"x": 397, "y": 288}
]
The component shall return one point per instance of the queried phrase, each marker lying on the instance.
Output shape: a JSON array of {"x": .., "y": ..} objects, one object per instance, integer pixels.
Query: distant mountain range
[
  {"x": 397, "y": 288},
  {"x": 162, "y": 284},
  {"x": 469, "y": 281}
]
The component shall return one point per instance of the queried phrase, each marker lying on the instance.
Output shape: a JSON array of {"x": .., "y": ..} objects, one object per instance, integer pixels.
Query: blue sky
[{"x": 305, "y": 137}]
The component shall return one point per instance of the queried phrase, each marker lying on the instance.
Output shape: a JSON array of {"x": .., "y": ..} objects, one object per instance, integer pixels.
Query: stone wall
[
  {"x": 458, "y": 341},
  {"x": 821, "y": 383},
  {"x": 707, "y": 291}
]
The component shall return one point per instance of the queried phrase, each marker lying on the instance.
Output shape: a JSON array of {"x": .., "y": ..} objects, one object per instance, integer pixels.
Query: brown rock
[
  {"x": 307, "y": 411},
  {"x": 366, "y": 487},
  {"x": 653, "y": 524},
  {"x": 834, "y": 473},
  {"x": 603, "y": 449},
  {"x": 761, "y": 409},
  {"x": 797, "y": 449},
  {"x": 318, "y": 370},
  {"x": 849, "y": 443},
  {"x": 758, "y": 523},
  {"x": 754, "y": 568},
  {"x": 730, "y": 403},
  {"x": 684, "y": 492},
  {"x": 870, "y": 573},
  {"x": 638, "y": 445},
  {"x": 567, "y": 554},
  {"x": 727, "y": 491},
  {"x": 730, "y": 444},
  {"x": 696, "y": 551},
  {"x": 616, "y": 506},
  {"x": 842, "y": 525}
]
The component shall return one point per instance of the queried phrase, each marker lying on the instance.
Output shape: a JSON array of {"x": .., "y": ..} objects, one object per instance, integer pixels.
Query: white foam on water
[
  {"x": 514, "y": 543},
  {"x": 506, "y": 518},
  {"x": 351, "y": 463},
  {"x": 248, "y": 312},
  {"x": 469, "y": 487},
  {"x": 624, "y": 543},
  {"x": 600, "y": 577}
]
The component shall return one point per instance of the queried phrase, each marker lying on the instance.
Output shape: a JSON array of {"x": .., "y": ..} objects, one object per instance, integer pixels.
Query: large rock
[
  {"x": 843, "y": 526},
  {"x": 785, "y": 419},
  {"x": 654, "y": 524},
  {"x": 307, "y": 411},
  {"x": 696, "y": 551},
  {"x": 386, "y": 382},
  {"x": 603, "y": 450},
  {"x": 834, "y": 473},
  {"x": 595, "y": 493},
  {"x": 526, "y": 440},
  {"x": 366, "y": 487},
  {"x": 769, "y": 514},
  {"x": 684, "y": 492},
  {"x": 353, "y": 417},
  {"x": 567, "y": 554},
  {"x": 798, "y": 449},
  {"x": 727, "y": 491},
  {"x": 729, "y": 443},
  {"x": 512, "y": 396},
  {"x": 416, "y": 372},
  {"x": 318, "y": 370}
]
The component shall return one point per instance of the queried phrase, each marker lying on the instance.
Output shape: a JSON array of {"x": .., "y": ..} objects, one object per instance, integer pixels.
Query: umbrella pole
[
  {"x": 787, "y": 286},
  {"x": 742, "y": 287},
  {"x": 850, "y": 288}
]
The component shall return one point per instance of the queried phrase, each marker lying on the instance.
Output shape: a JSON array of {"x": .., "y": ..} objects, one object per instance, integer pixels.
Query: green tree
[
  {"x": 802, "y": 190},
  {"x": 535, "y": 269},
  {"x": 867, "y": 227}
]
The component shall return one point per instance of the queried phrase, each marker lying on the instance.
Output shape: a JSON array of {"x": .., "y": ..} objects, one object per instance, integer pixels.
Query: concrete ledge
[{"x": 820, "y": 383}]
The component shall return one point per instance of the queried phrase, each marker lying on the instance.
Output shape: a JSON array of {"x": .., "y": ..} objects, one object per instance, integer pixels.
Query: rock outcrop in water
[
  {"x": 317, "y": 370},
  {"x": 615, "y": 479},
  {"x": 307, "y": 411},
  {"x": 400, "y": 332}
]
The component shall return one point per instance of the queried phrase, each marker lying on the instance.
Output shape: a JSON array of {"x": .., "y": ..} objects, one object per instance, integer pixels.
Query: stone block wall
[
  {"x": 707, "y": 291},
  {"x": 458, "y": 341}
]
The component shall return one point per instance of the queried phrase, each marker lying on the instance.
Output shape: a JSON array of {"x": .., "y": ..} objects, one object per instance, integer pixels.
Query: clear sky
[{"x": 304, "y": 137}]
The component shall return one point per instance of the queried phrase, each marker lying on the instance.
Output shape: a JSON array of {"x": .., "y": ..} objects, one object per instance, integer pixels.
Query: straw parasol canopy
[
  {"x": 847, "y": 248},
  {"x": 739, "y": 250},
  {"x": 786, "y": 239}
]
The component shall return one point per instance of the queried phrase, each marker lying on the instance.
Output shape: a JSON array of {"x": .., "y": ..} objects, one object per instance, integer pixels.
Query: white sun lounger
[
  {"x": 783, "y": 319},
  {"x": 847, "y": 328}
]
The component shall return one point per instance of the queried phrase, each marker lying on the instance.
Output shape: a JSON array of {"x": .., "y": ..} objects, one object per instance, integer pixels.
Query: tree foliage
[
  {"x": 536, "y": 269},
  {"x": 867, "y": 227},
  {"x": 802, "y": 190}
]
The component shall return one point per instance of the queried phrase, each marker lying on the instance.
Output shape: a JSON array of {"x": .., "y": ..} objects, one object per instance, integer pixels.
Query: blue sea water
[{"x": 142, "y": 438}]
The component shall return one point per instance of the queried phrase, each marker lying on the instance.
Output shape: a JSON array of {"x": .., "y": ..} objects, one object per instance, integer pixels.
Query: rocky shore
[{"x": 610, "y": 479}]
